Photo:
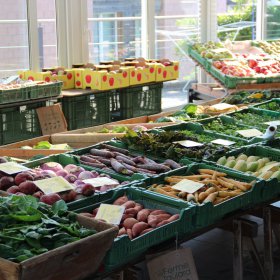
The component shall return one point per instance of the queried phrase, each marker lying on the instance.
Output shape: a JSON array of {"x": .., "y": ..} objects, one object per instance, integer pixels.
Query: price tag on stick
[
  {"x": 110, "y": 213},
  {"x": 53, "y": 185},
  {"x": 188, "y": 186},
  {"x": 12, "y": 168}
]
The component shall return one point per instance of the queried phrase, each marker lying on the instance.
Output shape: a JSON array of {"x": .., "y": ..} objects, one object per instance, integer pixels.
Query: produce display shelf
[
  {"x": 208, "y": 213},
  {"x": 274, "y": 100},
  {"x": 272, "y": 186},
  {"x": 79, "y": 203},
  {"x": 124, "y": 249}
]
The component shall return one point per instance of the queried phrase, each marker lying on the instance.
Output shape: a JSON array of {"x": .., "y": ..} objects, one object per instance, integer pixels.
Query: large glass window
[
  {"x": 272, "y": 20},
  {"x": 46, "y": 15},
  {"x": 236, "y": 19},
  {"x": 14, "y": 50},
  {"x": 114, "y": 29}
]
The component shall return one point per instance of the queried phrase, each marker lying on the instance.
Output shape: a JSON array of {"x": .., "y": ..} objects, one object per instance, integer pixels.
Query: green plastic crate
[
  {"x": 208, "y": 213},
  {"x": 19, "y": 123},
  {"x": 229, "y": 120},
  {"x": 272, "y": 186},
  {"x": 45, "y": 90},
  {"x": 14, "y": 95},
  {"x": 275, "y": 143},
  {"x": 125, "y": 250},
  {"x": 136, "y": 101},
  {"x": 196, "y": 56},
  {"x": 67, "y": 159},
  {"x": 86, "y": 110},
  {"x": 231, "y": 81},
  {"x": 260, "y": 105}
]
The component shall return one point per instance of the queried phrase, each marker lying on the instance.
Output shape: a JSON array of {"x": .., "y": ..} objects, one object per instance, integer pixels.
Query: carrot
[
  {"x": 196, "y": 197},
  {"x": 211, "y": 197},
  {"x": 214, "y": 176},
  {"x": 211, "y": 172},
  {"x": 190, "y": 197},
  {"x": 214, "y": 182},
  {"x": 202, "y": 196},
  {"x": 210, "y": 190},
  {"x": 226, "y": 193},
  {"x": 182, "y": 194},
  {"x": 159, "y": 190},
  {"x": 237, "y": 184},
  {"x": 167, "y": 188},
  {"x": 220, "y": 199},
  {"x": 225, "y": 184}
]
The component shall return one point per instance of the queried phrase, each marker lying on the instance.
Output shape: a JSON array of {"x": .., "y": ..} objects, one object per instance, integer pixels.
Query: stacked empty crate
[{"x": 18, "y": 104}]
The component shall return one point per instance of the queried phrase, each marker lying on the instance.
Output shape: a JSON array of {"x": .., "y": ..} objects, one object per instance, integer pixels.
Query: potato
[
  {"x": 153, "y": 220},
  {"x": 132, "y": 211},
  {"x": 129, "y": 223},
  {"x": 138, "y": 207},
  {"x": 138, "y": 228},
  {"x": 129, "y": 204},
  {"x": 121, "y": 200},
  {"x": 125, "y": 216},
  {"x": 162, "y": 223},
  {"x": 145, "y": 231},
  {"x": 157, "y": 212},
  {"x": 173, "y": 218},
  {"x": 122, "y": 231},
  {"x": 94, "y": 212},
  {"x": 142, "y": 215},
  {"x": 129, "y": 233},
  {"x": 162, "y": 217}
]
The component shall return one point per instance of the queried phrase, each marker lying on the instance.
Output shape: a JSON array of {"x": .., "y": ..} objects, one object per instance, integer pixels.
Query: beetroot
[
  {"x": 68, "y": 196},
  {"x": 86, "y": 175},
  {"x": 23, "y": 176},
  {"x": 47, "y": 174},
  {"x": 38, "y": 194},
  {"x": 70, "y": 178},
  {"x": 13, "y": 189},
  {"x": 27, "y": 187},
  {"x": 74, "y": 169},
  {"x": 3, "y": 160},
  {"x": 20, "y": 194},
  {"x": 62, "y": 173},
  {"x": 50, "y": 198},
  {"x": 87, "y": 190},
  {"x": 6, "y": 182},
  {"x": 53, "y": 166}
]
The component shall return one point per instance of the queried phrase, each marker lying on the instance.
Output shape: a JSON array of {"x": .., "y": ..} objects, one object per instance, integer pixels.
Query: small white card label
[
  {"x": 188, "y": 186},
  {"x": 189, "y": 143},
  {"x": 100, "y": 181},
  {"x": 12, "y": 168},
  {"x": 53, "y": 185},
  {"x": 223, "y": 142},
  {"x": 222, "y": 106},
  {"x": 273, "y": 123},
  {"x": 250, "y": 133},
  {"x": 110, "y": 213}
]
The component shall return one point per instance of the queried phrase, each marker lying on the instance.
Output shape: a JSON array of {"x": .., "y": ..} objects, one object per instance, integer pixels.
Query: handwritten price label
[
  {"x": 188, "y": 186},
  {"x": 12, "y": 168},
  {"x": 53, "y": 185},
  {"x": 110, "y": 213}
]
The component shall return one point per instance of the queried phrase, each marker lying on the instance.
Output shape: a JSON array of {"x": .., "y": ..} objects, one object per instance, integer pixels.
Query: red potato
[
  {"x": 162, "y": 217},
  {"x": 173, "y": 218},
  {"x": 121, "y": 200},
  {"x": 38, "y": 194},
  {"x": 13, "y": 189},
  {"x": 145, "y": 231},
  {"x": 142, "y": 215},
  {"x": 87, "y": 215},
  {"x": 126, "y": 216},
  {"x": 129, "y": 204},
  {"x": 68, "y": 196},
  {"x": 153, "y": 220},
  {"x": 157, "y": 212},
  {"x": 138, "y": 228},
  {"x": 138, "y": 207},
  {"x": 50, "y": 198},
  {"x": 129, "y": 233},
  {"x": 27, "y": 187},
  {"x": 122, "y": 231},
  {"x": 132, "y": 211},
  {"x": 23, "y": 176},
  {"x": 129, "y": 223},
  {"x": 162, "y": 223}
]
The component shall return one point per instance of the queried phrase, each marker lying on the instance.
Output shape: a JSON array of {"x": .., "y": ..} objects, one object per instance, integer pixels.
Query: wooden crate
[
  {"x": 76, "y": 260},
  {"x": 89, "y": 136}
]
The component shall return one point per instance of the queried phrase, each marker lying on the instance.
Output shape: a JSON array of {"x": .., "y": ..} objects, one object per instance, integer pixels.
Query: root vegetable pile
[
  {"x": 218, "y": 187},
  {"x": 137, "y": 220}
]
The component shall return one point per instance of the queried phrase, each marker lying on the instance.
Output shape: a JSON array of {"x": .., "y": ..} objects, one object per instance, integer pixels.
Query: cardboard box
[
  {"x": 68, "y": 79},
  {"x": 70, "y": 262},
  {"x": 104, "y": 80},
  {"x": 141, "y": 75},
  {"x": 79, "y": 74},
  {"x": 165, "y": 73}
]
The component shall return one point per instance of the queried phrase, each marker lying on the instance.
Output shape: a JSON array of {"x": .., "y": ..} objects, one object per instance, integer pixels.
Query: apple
[{"x": 252, "y": 63}]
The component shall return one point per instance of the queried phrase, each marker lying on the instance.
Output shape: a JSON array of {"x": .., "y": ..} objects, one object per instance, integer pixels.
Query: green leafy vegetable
[{"x": 42, "y": 145}]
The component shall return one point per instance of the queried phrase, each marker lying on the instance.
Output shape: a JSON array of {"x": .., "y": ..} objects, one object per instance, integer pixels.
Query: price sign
[
  {"x": 189, "y": 143},
  {"x": 12, "y": 168},
  {"x": 223, "y": 142},
  {"x": 273, "y": 123},
  {"x": 100, "y": 181},
  {"x": 53, "y": 185},
  {"x": 110, "y": 213},
  {"x": 188, "y": 186},
  {"x": 248, "y": 133}
]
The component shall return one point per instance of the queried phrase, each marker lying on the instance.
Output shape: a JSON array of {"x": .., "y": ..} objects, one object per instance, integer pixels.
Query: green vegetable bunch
[
  {"x": 274, "y": 106},
  {"x": 29, "y": 228}
]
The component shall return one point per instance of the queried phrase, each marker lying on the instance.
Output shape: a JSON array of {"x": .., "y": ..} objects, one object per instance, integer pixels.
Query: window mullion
[{"x": 33, "y": 35}]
